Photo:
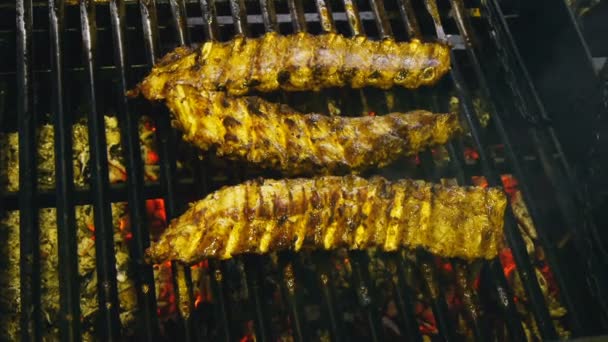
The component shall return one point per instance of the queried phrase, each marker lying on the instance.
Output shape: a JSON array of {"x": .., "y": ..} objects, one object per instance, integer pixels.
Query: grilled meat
[
  {"x": 276, "y": 136},
  {"x": 296, "y": 63},
  {"x": 262, "y": 216}
]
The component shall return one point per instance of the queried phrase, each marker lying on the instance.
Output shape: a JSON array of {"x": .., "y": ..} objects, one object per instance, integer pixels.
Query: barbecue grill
[{"x": 76, "y": 62}]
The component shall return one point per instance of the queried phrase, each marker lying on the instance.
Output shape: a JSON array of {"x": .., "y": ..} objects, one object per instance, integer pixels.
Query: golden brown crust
[
  {"x": 298, "y": 62},
  {"x": 278, "y": 137},
  {"x": 261, "y": 216}
]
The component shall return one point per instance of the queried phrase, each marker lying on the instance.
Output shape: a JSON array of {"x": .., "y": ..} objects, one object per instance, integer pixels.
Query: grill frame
[{"x": 28, "y": 195}]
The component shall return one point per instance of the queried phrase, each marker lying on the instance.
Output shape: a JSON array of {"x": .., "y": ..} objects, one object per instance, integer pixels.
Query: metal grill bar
[
  {"x": 252, "y": 269},
  {"x": 498, "y": 279},
  {"x": 104, "y": 231},
  {"x": 217, "y": 283},
  {"x": 516, "y": 242},
  {"x": 567, "y": 289},
  {"x": 409, "y": 18},
  {"x": 144, "y": 276},
  {"x": 289, "y": 285},
  {"x": 504, "y": 292},
  {"x": 181, "y": 272},
  {"x": 382, "y": 23},
  {"x": 209, "y": 19},
  {"x": 354, "y": 21},
  {"x": 239, "y": 16},
  {"x": 269, "y": 15},
  {"x": 29, "y": 261},
  {"x": 296, "y": 10},
  {"x": 178, "y": 10},
  {"x": 405, "y": 300},
  {"x": 566, "y": 188},
  {"x": 362, "y": 286},
  {"x": 328, "y": 291},
  {"x": 325, "y": 16},
  {"x": 438, "y": 302},
  {"x": 69, "y": 325}
]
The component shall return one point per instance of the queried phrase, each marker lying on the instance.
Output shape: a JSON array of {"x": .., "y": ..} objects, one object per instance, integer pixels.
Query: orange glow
[
  {"x": 510, "y": 184},
  {"x": 508, "y": 263},
  {"x": 149, "y": 126},
  {"x": 480, "y": 181},
  {"x": 91, "y": 227},
  {"x": 198, "y": 301},
  {"x": 371, "y": 113},
  {"x": 471, "y": 154},
  {"x": 156, "y": 209},
  {"x": 152, "y": 158}
]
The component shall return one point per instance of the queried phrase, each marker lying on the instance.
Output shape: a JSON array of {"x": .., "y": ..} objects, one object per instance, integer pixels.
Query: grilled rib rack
[{"x": 98, "y": 51}]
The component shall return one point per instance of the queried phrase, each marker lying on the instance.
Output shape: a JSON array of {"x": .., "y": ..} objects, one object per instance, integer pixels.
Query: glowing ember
[{"x": 471, "y": 154}]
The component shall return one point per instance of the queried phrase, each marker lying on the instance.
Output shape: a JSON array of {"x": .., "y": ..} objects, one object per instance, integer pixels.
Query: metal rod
[
  {"x": 289, "y": 286},
  {"x": 29, "y": 246},
  {"x": 438, "y": 301},
  {"x": 217, "y": 283},
  {"x": 524, "y": 267},
  {"x": 354, "y": 21},
  {"x": 406, "y": 300},
  {"x": 409, "y": 19},
  {"x": 327, "y": 286},
  {"x": 209, "y": 19},
  {"x": 179, "y": 15},
  {"x": 564, "y": 284},
  {"x": 167, "y": 143},
  {"x": 69, "y": 324},
  {"x": 239, "y": 16},
  {"x": 362, "y": 286},
  {"x": 504, "y": 292},
  {"x": 296, "y": 10},
  {"x": 129, "y": 127},
  {"x": 325, "y": 16},
  {"x": 104, "y": 231},
  {"x": 253, "y": 275},
  {"x": 470, "y": 302},
  {"x": 520, "y": 254},
  {"x": 382, "y": 22},
  {"x": 269, "y": 15},
  {"x": 498, "y": 279}
]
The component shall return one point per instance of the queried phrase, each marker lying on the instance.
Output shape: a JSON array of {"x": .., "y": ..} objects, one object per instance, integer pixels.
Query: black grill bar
[
  {"x": 518, "y": 248},
  {"x": 524, "y": 267},
  {"x": 382, "y": 22},
  {"x": 325, "y": 16},
  {"x": 105, "y": 259},
  {"x": 566, "y": 190},
  {"x": 354, "y": 21},
  {"x": 269, "y": 15},
  {"x": 470, "y": 301},
  {"x": 456, "y": 153},
  {"x": 209, "y": 19},
  {"x": 144, "y": 276},
  {"x": 438, "y": 303},
  {"x": 328, "y": 291},
  {"x": 168, "y": 141},
  {"x": 564, "y": 284},
  {"x": 504, "y": 292},
  {"x": 69, "y": 322},
  {"x": 253, "y": 265},
  {"x": 29, "y": 229},
  {"x": 221, "y": 310},
  {"x": 409, "y": 18},
  {"x": 178, "y": 10},
  {"x": 289, "y": 286},
  {"x": 296, "y": 10},
  {"x": 239, "y": 17},
  {"x": 405, "y": 299},
  {"x": 363, "y": 288}
]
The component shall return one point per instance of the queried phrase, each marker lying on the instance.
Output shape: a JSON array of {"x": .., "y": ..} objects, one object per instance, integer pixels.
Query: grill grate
[{"x": 473, "y": 69}]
